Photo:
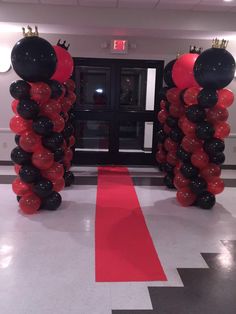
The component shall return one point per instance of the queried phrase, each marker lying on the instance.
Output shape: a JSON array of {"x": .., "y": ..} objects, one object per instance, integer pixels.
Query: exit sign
[{"x": 119, "y": 46}]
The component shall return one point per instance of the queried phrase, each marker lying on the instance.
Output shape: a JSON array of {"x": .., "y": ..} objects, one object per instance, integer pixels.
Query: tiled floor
[{"x": 47, "y": 260}]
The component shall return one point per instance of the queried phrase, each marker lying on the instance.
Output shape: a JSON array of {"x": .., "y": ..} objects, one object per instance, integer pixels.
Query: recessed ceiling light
[{"x": 227, "y": 0}]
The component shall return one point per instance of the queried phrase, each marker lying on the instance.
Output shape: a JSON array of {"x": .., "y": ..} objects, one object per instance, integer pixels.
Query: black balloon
[
  {"x": 189, "y": 171},
  {"x": 20, "y": 89},
  {"x": 172, "y": 122},
  {"x": 214, "y": 68},
  {"x": 33, "y": 59},
  {"x": 19, "y": 156},
  {"x": 56, "y": 88},
  {"x": 198, "y": 185},
  {"x": 18, "y": 198},
  {"x": 161, "y": 166},
  {"x": 69, "y": 178},
  {"x": 214, "y": 146},
  {"x": 168, "y": 168},
  {"x": 204, "y": 131},
  {"x": 72, "y": 116},
  {"x": 42, "y": 125},
  {"x": 43, "y": 188},
  {"x": 52, "y": 202},
  {"x": 207, "y": 97},
  {"x": 183, "y": 155},
  {"x": 195, "y": 113},
  {"x": 58, "y": 154},
  {"x": 168, "y": 74},
  {"x": 29, "y": 173},
  {"x": 28, "y": 109},
  {"x": 206, "y": 200},
  {"x": 168, "y": 181},
  {"x": 53, "y": 141},
  {"x": 162, "y": 93},
  {"x": 167, "y": 106},
  {"x": 17, "y": 139},
  {"x": 176, "y": 135},
  {"x": 217, "y": 158},
  {"x": 161, "y": 136},
  {"x": 68, "y": 130}
]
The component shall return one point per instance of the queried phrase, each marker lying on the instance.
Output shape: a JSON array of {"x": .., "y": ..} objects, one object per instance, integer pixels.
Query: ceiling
[{"x": 192, "y": 5}]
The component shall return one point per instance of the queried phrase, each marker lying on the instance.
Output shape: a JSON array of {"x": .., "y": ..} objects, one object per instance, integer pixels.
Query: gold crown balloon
[
  {"x": 30, "y": 33},
  {"x": 217, "y": 43}
]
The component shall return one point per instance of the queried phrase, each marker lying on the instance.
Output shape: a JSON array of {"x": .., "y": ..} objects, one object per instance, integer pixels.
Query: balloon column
[
  {"x": 44, "y": 133},
  {"x": 193, "y": 114}
]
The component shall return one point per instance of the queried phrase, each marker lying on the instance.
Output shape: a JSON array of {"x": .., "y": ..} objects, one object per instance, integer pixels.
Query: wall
[{"x": 90, "y": 46}]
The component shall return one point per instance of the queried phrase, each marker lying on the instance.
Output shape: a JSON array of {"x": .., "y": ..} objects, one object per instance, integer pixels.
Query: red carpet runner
[{"x": 124, "y": 248}]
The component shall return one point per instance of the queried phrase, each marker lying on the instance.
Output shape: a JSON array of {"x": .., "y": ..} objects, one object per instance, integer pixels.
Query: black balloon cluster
[
  {"x": 193, "y": 127},
  {"x": 43, "y": 126}
]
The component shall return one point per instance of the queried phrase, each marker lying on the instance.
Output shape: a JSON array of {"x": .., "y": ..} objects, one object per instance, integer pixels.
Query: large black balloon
[
  {"x": 172, "y": 122},
  {"x": 161, "y": 136},
  {"x": 195, "y": 113},
  {"x": 206, "y": 200},
  {"x": 176, "y": 135},
  {"x": 183, "y": 155},
  {"x": 56, "y": 88},
  {"x": 207, "y": 97},
  {"x": 20, "y": 156},
  {"x": 29, "y": 173},
  {"x": 28, "y": 109},
  {"x": 69, "y": 178},
  {"x": 34, "y": 59},
  {"x": 52, "y": 202},
  {"x": 53, "y": 141},
  {"x": 43, "y": 188},
  {"x": 217, "y": 158},
  {"x": 42, "y": 125},
  {"x": 20, "y": 89},
  {"x": 168, "y": 74},
  {"x": 189, "y": 171},
  {"x": 58, "y": 154},
  {"x": 214, "y": 68},
  {"x": 204, "y": 131},
  {"x": 214, "y": 146},
  {"x": 198, "y": 185},
  {"x": 168, "y": 181}
]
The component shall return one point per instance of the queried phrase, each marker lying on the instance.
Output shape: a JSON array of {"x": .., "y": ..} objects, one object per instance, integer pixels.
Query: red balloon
[
  {"x": 225, "y": 98},
  {"x": 18, "y": 125},
  {"x": 40, "y": 92},
  {"x": 210, "y": 170},
  {"x": 180, "y": 181},
  {"x": 170, "y": 145},
  {"x": 68, "y": 154},
  {"x": 58, "y": 122},
  {"x": 30, "y": 203},
  {"x": 161, "y": 156},
  {"x": 177, "y": 110},
  {"x": 222, "y": 130},
  {"x": 14, "y": 105},
  {"x": 173, "y": 95},
  {"x": 171, "y": 158},
  {"x": 50, "y": 107},
  {"x": 55, "y": 172},
  {"x": 191, "y": 144},
  {"x": 180, "y": 122},
  {"x": 177, "y": 168},
  {"x": 188, "y": 127},
  {"x": 71, "y": 96},
  {"x": 42, "y": 159},
  {"x": 58, "y": 184},
  {"x": 190, "y": 96},
  {"x": 162, "y": 104},
  {"x": 182, "y": 72},
  {"x": 30, "y": 141},
  {"x": 70, "y": 84},
  {"x": 166, "y": 128},
  {"x": 19, "y": 187},
  {"x": 66, "y": 104},
  {"x": 186, "y": 197},
  {"x": 200, "y": 159},
  {"x": 67, "y": 164},
  {"x": 217, "y": 114},
  {"x": 65, "y": 65},
  {"x": 71, "y": 141},
  {"x": 215, "y": 185},
  {"x": 162, "y": 116},
  {"x": 17, "y": 168}
]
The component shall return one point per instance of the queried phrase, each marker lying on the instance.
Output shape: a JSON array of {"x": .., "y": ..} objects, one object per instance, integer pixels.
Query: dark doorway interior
[{"x": 117, "y": 102}]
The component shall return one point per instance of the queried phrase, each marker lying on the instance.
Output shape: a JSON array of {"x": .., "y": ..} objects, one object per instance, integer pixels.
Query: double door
[{"x": 117, "y": 102}]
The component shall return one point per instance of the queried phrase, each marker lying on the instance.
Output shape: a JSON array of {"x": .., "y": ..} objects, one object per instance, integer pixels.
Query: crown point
[
  {"x": 222, "y": 44},
  {"x": 63, "y": 45},
  {"x": 30, "y": 33}
]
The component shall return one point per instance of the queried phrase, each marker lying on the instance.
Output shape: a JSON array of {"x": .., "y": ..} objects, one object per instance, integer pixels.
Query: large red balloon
[
  {"x": 19, "y": 187},
  {"x": 58, "y": 184},
  {"x": 188, "y": 127},
  {"x": 173, "y": 95},
  {"x": 225, "y": 98},
  {"x": 58, "y": 122},
  {"x": 215, "y": 185},
  {"x": 191, "y": 144},
  {"x": 65, "y": 65},
  {"x": 29, "y": 141},
  {"x": 210, "y": 170},
  {"x": 50, "y": 107},
  {"x": 217, "y": 114},
  {"x": 55, "y": 172},
  {"x": 18, "y": 125},
  {"x": 40, "y": 92},
  {"x": 30, "y": 203},
  {"x": 182, "y": 72},
  {"x": 170, "y": 145},
  {"x": 222, "y": 130},
  {"x": 177, "y": 110},
  {"x": 190, "y": 96},
  {"x": 186, "y": 197},
  {"x": 199, "y": 159},
  {"x": 180, "y": 181},
  {"x": 42, "y": 159}
]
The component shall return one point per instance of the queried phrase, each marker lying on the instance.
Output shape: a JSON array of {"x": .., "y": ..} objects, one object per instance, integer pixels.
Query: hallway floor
[{"x": 47, "y": 261}]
